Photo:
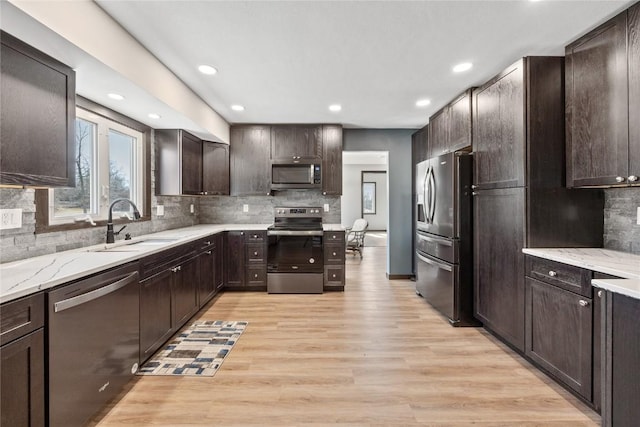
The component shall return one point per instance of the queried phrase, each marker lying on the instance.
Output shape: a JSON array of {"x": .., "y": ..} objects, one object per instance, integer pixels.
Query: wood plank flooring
[{"x": 375, "y": 355}]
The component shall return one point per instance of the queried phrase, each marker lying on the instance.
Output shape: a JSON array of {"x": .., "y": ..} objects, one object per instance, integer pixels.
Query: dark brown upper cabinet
[
  {"x": 189, "y": 166},
  {"x": 332, "y": 160},
  {"x": 250, "y": 164},
  {"x": 602, "y": 104},
  {"x": 420, "y": 146},
  {"x": 450, "y": 127},
  {"x": 37, "y": 117},
  {"x": 296, "y": 143},
  {"x": 499, "y": 130}
]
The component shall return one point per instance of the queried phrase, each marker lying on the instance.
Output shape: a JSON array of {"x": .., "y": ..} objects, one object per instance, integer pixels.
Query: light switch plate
[
  {"x": 10, "y": 218},
  {"x": 326, "y": 207},
  {"x": 191, "y": 208},
  {"x": 160, "y": 210},
  {"x": 245, "y": 208}
]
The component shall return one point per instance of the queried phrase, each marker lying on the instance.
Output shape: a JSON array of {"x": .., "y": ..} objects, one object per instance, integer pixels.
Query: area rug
[{"x": 199, "y": 349}]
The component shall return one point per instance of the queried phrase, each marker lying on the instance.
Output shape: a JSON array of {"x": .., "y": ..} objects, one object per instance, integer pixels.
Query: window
[{"x": 109, "y": 164}]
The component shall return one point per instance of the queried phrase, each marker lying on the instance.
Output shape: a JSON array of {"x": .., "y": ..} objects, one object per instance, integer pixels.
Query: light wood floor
[{"x": 375, "y": 355}]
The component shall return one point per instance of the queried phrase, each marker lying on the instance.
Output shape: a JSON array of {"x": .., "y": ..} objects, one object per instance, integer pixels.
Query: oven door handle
[{"x": 295, "y": 232}]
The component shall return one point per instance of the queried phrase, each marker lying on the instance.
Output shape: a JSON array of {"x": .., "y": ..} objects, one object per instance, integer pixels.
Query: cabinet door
[
  {"x": 558, "y": 334},
  {"x": 634, "y": 90},
  {"x": 249, "y": 160},
  {"x": 499, "y": 225},
  {"x": 155, "y": 313},
  {"x": 207, "y": 286},
  {"x": 219, "y": 261},
  {"x": 420, "y": 145},
  {"x": 460, "y": 123},
  {"x": 22, "y": 381},
  {"x": 596, "y": 105},
  {"x": 439, "y": 132},
  {"x": 37, "y": 116},
  {"x": 185, "y": 292},
  {"x": 499, "y": 131},
  {"x": 215, "y": 168},
  {"x": 191, "y": 164},
  {"x": 332, "y": 160},
  {"x": 296, "y": 142},
  {"x": 234, "y": 257}
]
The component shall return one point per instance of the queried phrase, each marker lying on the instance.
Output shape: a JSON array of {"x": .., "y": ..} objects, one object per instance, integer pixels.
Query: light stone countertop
[
  {"x": 619, "y": 264},
  {"x": 28, "y": 276},
  {"x": 333, "y": 227}
]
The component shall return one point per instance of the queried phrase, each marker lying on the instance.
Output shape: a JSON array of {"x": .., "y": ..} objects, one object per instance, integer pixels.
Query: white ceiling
[{"x": 286, "y": 61}]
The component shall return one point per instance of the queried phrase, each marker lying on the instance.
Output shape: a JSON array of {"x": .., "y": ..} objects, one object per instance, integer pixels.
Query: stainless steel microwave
[{"x": 295, "y": 175}]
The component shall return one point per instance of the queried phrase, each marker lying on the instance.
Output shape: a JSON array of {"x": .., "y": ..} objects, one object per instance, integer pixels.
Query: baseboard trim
[{"x": 399, "y": 276}]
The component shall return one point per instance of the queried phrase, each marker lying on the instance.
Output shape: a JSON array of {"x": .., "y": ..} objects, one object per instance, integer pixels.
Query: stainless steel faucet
[{"x": 136, "y": 216}]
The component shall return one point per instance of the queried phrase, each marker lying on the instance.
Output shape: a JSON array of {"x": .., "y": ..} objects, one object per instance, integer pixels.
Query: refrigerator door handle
[
  {"x": 432, "y": 192},
  {"x": 436, "y": 263},
  {"x": 426, "y": 206}
]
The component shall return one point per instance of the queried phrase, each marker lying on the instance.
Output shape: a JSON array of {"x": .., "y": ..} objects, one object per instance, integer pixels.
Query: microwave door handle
[{"x": 311, "y": 174}]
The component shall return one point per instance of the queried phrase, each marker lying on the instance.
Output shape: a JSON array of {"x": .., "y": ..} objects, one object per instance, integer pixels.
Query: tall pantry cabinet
[{"x": 520, "y": 199}]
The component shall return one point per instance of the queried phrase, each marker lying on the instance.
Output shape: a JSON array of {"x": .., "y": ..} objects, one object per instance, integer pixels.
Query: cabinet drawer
[
  {"x": 333, "y": 253},
  {"x": 207, "y": 243},
  {"x": 574, "y": 279},
  {"x": 334, "y": 274},
  {"x": 19, "y": 317},
  {"x": 255, "y": 253},
  {"x": 333, "y": 236},
  {"x": 255, "y": 236},
  {"x": 156, "y": 263},
  {"x": 256, "y": 275}
]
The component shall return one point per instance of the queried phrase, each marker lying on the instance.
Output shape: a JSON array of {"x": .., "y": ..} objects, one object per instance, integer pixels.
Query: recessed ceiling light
[
  {"x": 237, "y": 107},
  {"x": 465, "y": 66},
  {"x": 115, "y": 96},
  {"x": 207, "y": 69},
  {"x": 423, "y": 102},
  {"x": 154, "y": 116},
  {"x": 335, "y": 107}
]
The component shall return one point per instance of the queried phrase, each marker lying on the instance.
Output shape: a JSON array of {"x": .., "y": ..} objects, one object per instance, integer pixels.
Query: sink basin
[{"x": 134, "y": 246}]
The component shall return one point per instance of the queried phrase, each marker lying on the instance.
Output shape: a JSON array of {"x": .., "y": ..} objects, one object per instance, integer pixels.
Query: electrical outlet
[
  {"x": 326, "y": 207},
  {"x": 160, "y": 210},
  {"x": 638, "y": 216},
  {"x": 191, "y": 208},
  {"x": 10, "y": 218},
  {"x": 245, "y": 208}
]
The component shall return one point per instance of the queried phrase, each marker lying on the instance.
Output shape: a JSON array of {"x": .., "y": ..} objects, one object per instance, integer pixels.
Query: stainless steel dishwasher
[{"x": 93, "y": 340}]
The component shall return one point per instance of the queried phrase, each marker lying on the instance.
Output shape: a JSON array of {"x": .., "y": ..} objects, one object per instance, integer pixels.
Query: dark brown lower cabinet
[
  {"x": 208, "y": 286},
  {"x": 186, "y": 278},
  {"x": 621, "y": 356},
  {"x": 22, "y": 382},
  {"x": 499, "y": 229},
  {"x": 155, "y": 313},
  {"x": 559, "y": 334},
  {"x": 234, "y": 259}
]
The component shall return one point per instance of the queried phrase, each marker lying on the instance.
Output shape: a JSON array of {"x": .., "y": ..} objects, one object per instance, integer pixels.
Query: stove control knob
[{"x": 311, "y": 260}]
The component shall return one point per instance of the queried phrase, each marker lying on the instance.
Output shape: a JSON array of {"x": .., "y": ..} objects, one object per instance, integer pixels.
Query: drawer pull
[
  {"x": 333, "y": 276},
  {"x": 552, "y": 273},
  {"x": 208, "y": 242},
  {"x": 632, "y": 178},
  {"x": 255, "y": 236},
  {"x": 334, "y": 254},
  {"x": 619, "y": 179},
  {"x": 600, "y": 293},
  {"x": 208, "y": 252},
  {"x": 255, "y": 253},
  {"x": 584, "y": 303},
  {"x": 176, "y": 269},
  {"x": 255, "y": 275},
  {"x": 333, "y": 237}
]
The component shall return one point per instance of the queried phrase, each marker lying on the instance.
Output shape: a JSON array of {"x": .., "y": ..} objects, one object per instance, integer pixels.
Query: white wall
[{"x": 351, "y": 200}]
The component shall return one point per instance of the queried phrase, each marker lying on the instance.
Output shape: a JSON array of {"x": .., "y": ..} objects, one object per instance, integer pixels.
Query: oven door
[{"x": 293, "y": 251}]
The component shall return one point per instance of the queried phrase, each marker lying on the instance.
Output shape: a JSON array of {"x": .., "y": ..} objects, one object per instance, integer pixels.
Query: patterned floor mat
[{"x": 199, "y": 349}]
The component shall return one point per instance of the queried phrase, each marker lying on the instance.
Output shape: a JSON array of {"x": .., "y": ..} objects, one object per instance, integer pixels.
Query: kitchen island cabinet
[
  {"x": 22, "y": 362},
  {"x": 37, "y": 123}
]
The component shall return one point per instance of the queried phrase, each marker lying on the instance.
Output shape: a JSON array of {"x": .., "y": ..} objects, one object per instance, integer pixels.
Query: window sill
[{"x": 42, "y": 229}]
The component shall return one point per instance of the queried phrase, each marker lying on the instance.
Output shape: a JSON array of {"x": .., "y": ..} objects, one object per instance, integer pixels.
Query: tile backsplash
[{"x": 620, "y": 214}]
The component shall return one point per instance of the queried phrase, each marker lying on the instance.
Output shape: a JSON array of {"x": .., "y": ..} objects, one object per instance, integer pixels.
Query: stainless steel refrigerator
[{"x": 444, "y": 258}]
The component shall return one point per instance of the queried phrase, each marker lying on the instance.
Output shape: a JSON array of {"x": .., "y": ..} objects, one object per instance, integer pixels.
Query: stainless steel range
[{"x": 295, "y": 264}]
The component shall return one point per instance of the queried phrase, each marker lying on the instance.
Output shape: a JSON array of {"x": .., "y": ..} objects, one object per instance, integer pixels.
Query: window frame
[{"x": 42, "y": 195}]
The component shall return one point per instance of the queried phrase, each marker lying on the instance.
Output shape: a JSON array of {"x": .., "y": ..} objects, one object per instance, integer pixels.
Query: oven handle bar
[{"x": 295, "y": 232}]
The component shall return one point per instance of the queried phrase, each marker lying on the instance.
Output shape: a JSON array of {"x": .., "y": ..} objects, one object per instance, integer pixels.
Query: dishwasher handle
[{"x": 95, "y": 294}]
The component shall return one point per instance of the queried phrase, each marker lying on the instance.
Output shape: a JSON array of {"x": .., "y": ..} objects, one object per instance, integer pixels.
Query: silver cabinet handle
[
  {"x": 255, "y": 253},
  {"x": 242, "y": 233},
  {"x": 208, "y": 252},
  {"x": 333, "y": 276},
  {"x": 584, "y": 303},
  {"x": 474, "y": 193},
  {"x": 632, "y": 178},
  {"x": 334, "y": 254},
  {"x": 255, "y": 275},
  {"x": 473, "y": 187},
  {"x": 600, "y": 294},
  {"x": 208, "y": 242},
  {"x": 552, "y": 273},
  {"x": 619, "y": 178},
  {"x": 176, "y": 269}
]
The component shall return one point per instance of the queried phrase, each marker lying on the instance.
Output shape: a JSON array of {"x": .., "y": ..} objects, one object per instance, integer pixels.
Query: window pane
[
  {"x": 77, "y": 201},
  {"x": 121, "y": 152}
]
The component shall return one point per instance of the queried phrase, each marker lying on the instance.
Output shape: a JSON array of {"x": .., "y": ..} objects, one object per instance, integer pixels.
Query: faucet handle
[{"x": 115, "y": 233}]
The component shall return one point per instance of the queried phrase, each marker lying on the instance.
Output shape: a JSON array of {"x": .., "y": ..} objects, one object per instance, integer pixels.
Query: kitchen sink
[{"x": 134, "y": 245}]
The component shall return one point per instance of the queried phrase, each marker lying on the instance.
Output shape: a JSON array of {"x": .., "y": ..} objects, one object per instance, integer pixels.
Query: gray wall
[
  {"x": 351, "y": 199},
  {"x": 620, "y": 212},
  {"x": 398, "y": 143}
]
